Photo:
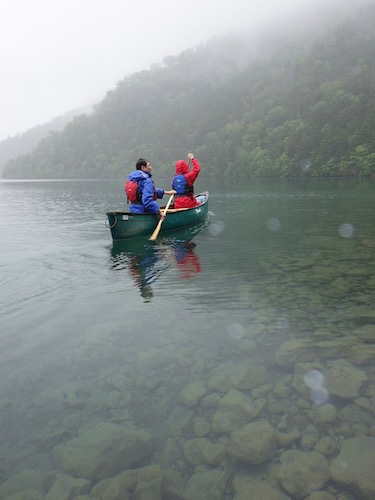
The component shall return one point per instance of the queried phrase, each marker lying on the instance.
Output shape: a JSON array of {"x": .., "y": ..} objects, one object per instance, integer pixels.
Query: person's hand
[
  {"x": 170, "y": 192},
  {"x": 190, "y": 156}
]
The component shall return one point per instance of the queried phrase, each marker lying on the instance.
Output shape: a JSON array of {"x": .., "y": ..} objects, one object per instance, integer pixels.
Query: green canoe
[{"x": 128, "y": 225}]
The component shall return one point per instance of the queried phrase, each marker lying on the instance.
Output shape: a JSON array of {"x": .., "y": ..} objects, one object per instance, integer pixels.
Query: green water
[{"x": 273, "y": 299}]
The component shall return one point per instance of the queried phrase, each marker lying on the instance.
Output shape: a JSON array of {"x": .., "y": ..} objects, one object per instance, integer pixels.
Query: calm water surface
[{"x": 153, "y": 336}]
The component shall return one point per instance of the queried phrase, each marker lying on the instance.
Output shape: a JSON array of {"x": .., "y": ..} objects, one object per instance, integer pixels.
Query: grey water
[{"x": 93, "y": 331}]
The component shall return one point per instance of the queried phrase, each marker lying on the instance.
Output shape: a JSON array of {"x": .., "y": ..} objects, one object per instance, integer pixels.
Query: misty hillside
[
  {"x": 289, "y": 103},
  {"x": 27, "y": 141}
]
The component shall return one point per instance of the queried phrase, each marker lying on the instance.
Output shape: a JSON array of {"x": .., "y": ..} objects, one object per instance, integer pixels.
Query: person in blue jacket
[{"x": 141, "y": 191}]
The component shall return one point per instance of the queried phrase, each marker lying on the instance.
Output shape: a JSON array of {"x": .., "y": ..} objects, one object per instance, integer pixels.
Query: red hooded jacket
[{"x": 190, "y": 175}]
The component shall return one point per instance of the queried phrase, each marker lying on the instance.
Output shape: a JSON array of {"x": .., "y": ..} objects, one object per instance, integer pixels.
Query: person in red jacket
[{"x": 183, "y": 183}]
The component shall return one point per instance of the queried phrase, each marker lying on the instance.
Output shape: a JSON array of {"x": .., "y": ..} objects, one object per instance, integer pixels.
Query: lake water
[{"x": 237, "y": 360}]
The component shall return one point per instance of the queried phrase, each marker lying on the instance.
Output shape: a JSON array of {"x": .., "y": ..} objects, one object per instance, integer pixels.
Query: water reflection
[{"x": 146, "y": 260}]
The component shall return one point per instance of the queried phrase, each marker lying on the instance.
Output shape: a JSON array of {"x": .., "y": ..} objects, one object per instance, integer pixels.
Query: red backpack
[{"x": 133, "y": 192}]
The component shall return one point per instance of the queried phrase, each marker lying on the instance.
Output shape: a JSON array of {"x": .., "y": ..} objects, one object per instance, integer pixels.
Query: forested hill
[
  {"x": 26, "y": 141},
  {"x": 289, "y": 109}
]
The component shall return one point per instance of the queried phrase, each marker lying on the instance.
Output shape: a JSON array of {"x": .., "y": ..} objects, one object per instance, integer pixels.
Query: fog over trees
[{"x": 294, "y": 100}]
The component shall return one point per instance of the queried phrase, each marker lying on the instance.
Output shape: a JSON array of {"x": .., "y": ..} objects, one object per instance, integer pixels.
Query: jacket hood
[
  {"x": 182, "y": 167},
  {"x": 138, "y": 175}
]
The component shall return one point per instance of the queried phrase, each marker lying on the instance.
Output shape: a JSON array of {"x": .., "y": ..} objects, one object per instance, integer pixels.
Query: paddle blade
[{"x": 156, "y": 231}]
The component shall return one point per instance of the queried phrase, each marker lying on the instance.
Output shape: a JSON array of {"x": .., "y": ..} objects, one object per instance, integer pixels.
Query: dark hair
[{"x": 141, "y": 163}]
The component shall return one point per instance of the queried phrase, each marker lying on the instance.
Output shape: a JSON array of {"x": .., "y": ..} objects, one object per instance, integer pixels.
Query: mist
[{"x": 59, "y": 57}]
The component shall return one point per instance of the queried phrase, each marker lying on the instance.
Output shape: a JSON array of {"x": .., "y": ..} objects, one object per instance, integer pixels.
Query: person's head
[
  {"x": 181, "y": 167},
  {"x": 143, "y": 164}
]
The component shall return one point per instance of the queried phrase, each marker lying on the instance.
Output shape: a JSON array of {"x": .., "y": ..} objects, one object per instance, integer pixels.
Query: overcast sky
[{"x": 59, "y": 55}]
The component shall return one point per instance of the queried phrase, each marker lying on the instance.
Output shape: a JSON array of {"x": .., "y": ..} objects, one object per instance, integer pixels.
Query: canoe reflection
[{"x": 147, "y": 260}]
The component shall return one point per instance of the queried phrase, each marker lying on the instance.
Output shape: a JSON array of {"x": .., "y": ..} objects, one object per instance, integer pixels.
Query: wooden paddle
[{"x": 158, "y": 227}]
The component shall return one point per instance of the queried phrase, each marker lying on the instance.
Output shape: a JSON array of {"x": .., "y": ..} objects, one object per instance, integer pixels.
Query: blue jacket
[{"x": 148, "y": 189}]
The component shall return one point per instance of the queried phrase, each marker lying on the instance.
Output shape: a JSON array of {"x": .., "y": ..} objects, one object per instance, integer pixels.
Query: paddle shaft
[{"x": 158, "y": 227}]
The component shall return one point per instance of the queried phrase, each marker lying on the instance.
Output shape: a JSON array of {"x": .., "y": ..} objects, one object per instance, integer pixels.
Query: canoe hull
[{"x": 125, "y": 225}]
